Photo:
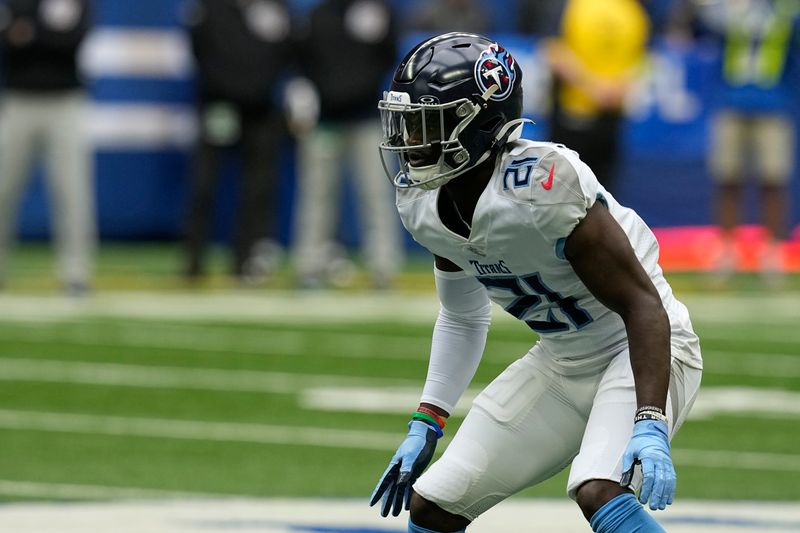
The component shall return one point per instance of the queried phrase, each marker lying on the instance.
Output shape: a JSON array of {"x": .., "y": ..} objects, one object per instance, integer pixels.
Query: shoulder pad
[{"x": 559, "y": 186}]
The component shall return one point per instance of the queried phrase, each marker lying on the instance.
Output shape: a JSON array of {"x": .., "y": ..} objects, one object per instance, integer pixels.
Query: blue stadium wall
[{"x": 141, "y": 177}]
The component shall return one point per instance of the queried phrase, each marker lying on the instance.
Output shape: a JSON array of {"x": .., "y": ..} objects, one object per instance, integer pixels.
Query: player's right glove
[
  {"x": 409, "y": 461},
  {"x": 649, "y": 445}
]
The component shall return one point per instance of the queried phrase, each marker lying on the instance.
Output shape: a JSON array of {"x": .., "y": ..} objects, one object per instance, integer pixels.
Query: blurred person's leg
[
  {"x": 604, "y": 148},
  {"x": 19, "y": 133},
  {"x": 379, "y": 222},
  {"x": 728, "y": 199},
  {"x": 774, "y": 138},
  {"x": 70, "y": 177},
  {"x": 594, "y": 138},
  {"x": 727, "y": 163},
  {"x": 220, "y": 130},
  {"x": 202, "y": 184},
  {"x": 319, "y": 196},
  {"x": 255, "y": 245}
]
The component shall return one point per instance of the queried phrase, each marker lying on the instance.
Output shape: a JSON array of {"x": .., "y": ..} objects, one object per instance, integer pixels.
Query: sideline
[
  {"x": 342, "y": 307},
  {"x": 353, "y": 516}
]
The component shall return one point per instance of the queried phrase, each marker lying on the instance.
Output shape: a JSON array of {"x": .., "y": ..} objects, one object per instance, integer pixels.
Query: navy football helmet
[{"x": 454, "y": 99}]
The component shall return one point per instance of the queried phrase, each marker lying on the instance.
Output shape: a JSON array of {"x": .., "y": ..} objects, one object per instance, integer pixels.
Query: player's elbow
[
  {"x": 647, "y": 307},
  {"x": 479, "y": 316}
]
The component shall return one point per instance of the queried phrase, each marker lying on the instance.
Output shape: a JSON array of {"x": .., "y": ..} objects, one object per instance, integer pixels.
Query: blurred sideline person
[
  {"x": 346, "y": 51},
  {"x": 44, "y": 113},
  {"x": 537, "y": 18},
  {"x": 439, "y": 16},
  {"x": 753, "y": 129},
  {"x": 242, "y": 50},
  {"x": 526, "y": 224},
  {"x": 595, "y": 59}
]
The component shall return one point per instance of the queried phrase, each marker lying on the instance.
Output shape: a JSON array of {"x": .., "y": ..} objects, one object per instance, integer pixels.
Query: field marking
[
  {"x": 341, "y": 307},
  {"x": 197, "y": 430},
  {"x": 195, "y": 338},
  {"x": 711, "y": 402},
  {"x": 358, "y": 346},
  {"x": 352, "y": 515},
  {"x": 312, "y": 436},
  {"x": 68, "y": 491},
  {"x": 191, "y": 378},
  {"x": 360, "y": 393},
  {"x": 288, "y": 306},
  {"x": 737, "y": 460},
  {"x": 786, "y": 334},
  {"x": 199, "y": 337},
  {"x": 766, "y": 365}
]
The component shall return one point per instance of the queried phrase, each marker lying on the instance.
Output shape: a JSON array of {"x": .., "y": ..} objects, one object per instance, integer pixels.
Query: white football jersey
[{"x": 537, "y": 195}]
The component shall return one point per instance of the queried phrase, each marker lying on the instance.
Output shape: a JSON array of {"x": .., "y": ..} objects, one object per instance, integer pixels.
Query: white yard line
[
  {"x": 287, "y": 306},
  {"x": 767, "y": 365},
  {"x": 361, "y": 393},
  {"x": 69, "y": 491},
  {"x": 343, "y": 307},
  {"x": 35, "y": 369},
  {"x": 194, "y": 338},
  {"x": 352, "y": 515},
  {"x": 711, "y": 402},
  {"x": 727, "y": 460},
  {"x": 784, "y": 334},
  {"x": 350, "y": 393},
  {"x": 746, "y": 401},
  {"x": 196, "y": 430},
  {"x": 313, "y": 436},
  {"x": 163, "y": 377}
]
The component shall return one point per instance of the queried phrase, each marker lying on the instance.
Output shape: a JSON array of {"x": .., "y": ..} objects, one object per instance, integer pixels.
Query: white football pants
[{"x": 539, "y": 416}]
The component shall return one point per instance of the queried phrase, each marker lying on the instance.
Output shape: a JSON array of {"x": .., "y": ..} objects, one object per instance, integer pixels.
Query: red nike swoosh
[{"x": 546, "y": 185}]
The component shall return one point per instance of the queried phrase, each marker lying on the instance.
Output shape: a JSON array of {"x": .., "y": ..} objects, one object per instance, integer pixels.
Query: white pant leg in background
[
  {"x": 319, "y": 195},
  {"x": 21, "y": 130},
  {"x": 70, "y": 179},
  {"x": 380, "y": 223}
]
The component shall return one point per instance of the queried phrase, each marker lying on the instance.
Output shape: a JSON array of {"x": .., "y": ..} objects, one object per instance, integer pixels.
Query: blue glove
[
  {"x": 410, "y": 459},
  {"x": 649, "y": 446}
]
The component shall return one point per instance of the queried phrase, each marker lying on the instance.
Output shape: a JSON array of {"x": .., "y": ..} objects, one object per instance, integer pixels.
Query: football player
[{"x": 525, "y": 224}]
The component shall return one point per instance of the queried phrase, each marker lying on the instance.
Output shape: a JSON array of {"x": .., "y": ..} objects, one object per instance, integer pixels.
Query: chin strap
[
  {"x": 489, "y": 92},
  {"x": 511, "y": 130}
]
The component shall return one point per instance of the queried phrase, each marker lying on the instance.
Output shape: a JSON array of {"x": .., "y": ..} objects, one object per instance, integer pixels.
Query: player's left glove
[
  {"x": 410, "y": 459},
  {"x": 649, "y": 446}
]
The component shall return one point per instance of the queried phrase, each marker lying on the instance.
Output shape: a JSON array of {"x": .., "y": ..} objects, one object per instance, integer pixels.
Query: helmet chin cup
[
  {"x": 431, "y": 177},
  {"x": 425, "y": 176}
]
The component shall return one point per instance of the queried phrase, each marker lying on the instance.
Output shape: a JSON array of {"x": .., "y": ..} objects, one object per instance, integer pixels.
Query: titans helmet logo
[{"x": 495, "y": 66}]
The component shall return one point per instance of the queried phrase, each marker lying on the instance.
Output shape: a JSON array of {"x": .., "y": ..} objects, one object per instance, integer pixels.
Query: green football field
[{"x": 151, "y": 388}]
